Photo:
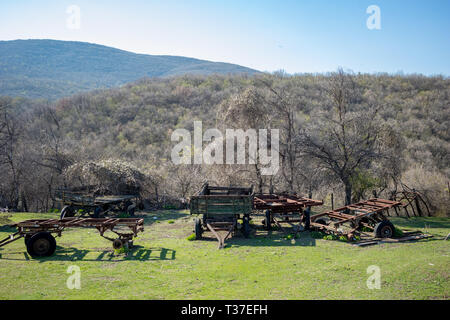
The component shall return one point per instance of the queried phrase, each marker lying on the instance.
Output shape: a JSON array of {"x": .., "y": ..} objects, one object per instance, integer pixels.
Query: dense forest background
[{"x": 342, "y": 133}]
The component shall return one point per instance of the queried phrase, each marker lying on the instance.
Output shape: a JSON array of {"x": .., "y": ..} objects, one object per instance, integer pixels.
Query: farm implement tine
[{"x": 10, "y": 238}]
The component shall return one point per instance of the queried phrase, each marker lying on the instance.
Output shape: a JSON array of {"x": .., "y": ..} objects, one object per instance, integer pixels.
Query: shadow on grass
[
  {"x": 272, "y": 238},
  {"x": 137, "y": 253},
  {"x": 272, "y": 242}
]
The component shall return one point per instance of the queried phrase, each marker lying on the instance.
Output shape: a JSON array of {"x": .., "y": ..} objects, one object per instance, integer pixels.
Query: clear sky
[{"x": 296, "y": 36}]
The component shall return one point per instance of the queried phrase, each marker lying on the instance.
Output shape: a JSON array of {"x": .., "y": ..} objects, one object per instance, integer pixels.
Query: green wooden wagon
[
  {"x": 221, "y": 209},
  {"x": 85, "y": 203}
]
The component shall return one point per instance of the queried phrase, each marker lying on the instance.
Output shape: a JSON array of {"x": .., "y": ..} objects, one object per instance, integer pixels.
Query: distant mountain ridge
[{"x": 52, "y": 69}]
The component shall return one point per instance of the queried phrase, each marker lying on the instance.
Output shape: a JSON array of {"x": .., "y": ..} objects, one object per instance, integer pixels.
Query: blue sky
[{"x": 296, "y": 36}]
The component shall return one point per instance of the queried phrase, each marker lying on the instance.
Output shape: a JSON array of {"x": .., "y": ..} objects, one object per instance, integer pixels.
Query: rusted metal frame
[
  {"x": 384, "y": 201},
  {"x": 372, "y": 208},
  {"x": 291, "y": 222},
  {"x": 263, "y": 202},
  {"x": 358, "y": 217},
  {"x": 11, "y": 238},
  {"x": 326, "y": 227},
  {"x": 53, "y": 225},
  {"x": 357, "y": 208},
  {"x": 222, "y": 196},
  {"x": 279, "y": 225},
  {"x": 419, "y": 196},
  {"x": 217, "y": 235},
  {"x": 340, "y": 215},
  {"x": 374, "y": 201},
  {"x": 364, "y": 224},
  {"x": 412, "y": 207},
  {"x": 286, "y": 209}
]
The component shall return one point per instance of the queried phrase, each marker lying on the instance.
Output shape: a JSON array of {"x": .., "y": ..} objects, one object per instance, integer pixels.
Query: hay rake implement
[{"x": 350, "y": 220}]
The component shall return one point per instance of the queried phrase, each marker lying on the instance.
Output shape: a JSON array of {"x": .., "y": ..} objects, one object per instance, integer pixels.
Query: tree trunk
[
  {"x": 23, "y": 202},
  {"x": 348, "y": 193},
  {"x": 259, "y": 179}
]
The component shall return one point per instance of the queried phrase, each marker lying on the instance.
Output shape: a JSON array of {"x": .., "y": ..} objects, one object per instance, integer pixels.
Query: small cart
[
  {"x": 221, "y": 208},
  {"x": 285, "y": 209},
  {"x": 41, "y": 243},
  {"x": 350, "y": 220},
  {"x": 92, "y": 205}
]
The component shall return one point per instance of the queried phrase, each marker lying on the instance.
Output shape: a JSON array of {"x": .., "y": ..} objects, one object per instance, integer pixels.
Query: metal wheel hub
[
  {"x": 41, "y": 246},
  {"x": 386, "y": 232},
  {"x": 117, "y": 244}
]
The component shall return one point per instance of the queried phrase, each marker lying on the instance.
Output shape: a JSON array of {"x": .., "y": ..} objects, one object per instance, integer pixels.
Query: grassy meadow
[{"x": 165, "y": 265}]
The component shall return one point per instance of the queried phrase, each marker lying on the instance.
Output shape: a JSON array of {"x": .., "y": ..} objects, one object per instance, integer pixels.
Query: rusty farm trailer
[
  {"x": 221, "y": 208},
  {"x": 285, "y": 209},
  {"x": 350, "y": 220},
  {"x": 40, "y": 242}
]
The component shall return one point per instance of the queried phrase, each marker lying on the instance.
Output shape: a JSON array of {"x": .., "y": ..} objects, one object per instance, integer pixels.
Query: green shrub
[
  {"x": 398, "y": 233},
  {"x": 123, "y": 215},
  {"x": 171, "y": 221},
  {"x": 330, "y": 237},
  {"x": 191, "y": 237},
  {"x": 317, "y": 234},
  {"x": 122, "y": 250},
  {"x": 343, "y": 238}
]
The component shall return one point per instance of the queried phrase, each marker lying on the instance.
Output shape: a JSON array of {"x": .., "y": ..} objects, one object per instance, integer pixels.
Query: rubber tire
[
  {"x": 198, "y": 229},
  {"x": 268, "y": 220},
  {"x": 381, "y": 227},
  {"x": 67, "y": 212},
  {"x": 131, "y": 211},
  {"x": 97, "y": 212},
  {"x": 117, "y": 244},
  {"x": 39, "y": 236},
  {"x": 26, "y": 238},
  {"x": 246, "y": 227},
  {"x": 321, "y": 221}
]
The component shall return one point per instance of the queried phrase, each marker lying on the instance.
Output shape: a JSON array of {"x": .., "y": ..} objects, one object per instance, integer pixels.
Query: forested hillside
[
  {"x": 52, "y": 69},
  {"x": 397, "y": 131}
]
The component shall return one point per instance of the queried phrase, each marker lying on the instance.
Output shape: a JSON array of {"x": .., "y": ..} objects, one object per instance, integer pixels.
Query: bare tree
[
  {"x": 247, "y": 110},
  {"x": 349, "y": 136},
  {"x": 284, "y": 104}
]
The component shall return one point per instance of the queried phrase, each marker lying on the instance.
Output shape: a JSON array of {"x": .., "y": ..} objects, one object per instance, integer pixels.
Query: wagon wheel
[
  {"x": 246, "y": 226},
  {"x": 322, "y": 221},
  {"x": 97, "y": 212},
  {"x": 41, "y": 244},
  {"x": 27, "y": 238},
  {"x": 67, "y": 212},
  {"x": 198, "y": 229},
  {"x": 268, "y": 220},
  {"x": 384, "y": 229},
  {"x": 131, "y": 208},
  {"x": 117, "y": 244}
]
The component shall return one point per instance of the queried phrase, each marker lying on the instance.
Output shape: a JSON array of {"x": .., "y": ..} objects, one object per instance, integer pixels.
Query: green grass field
[{"x": 164, "y": 265}]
